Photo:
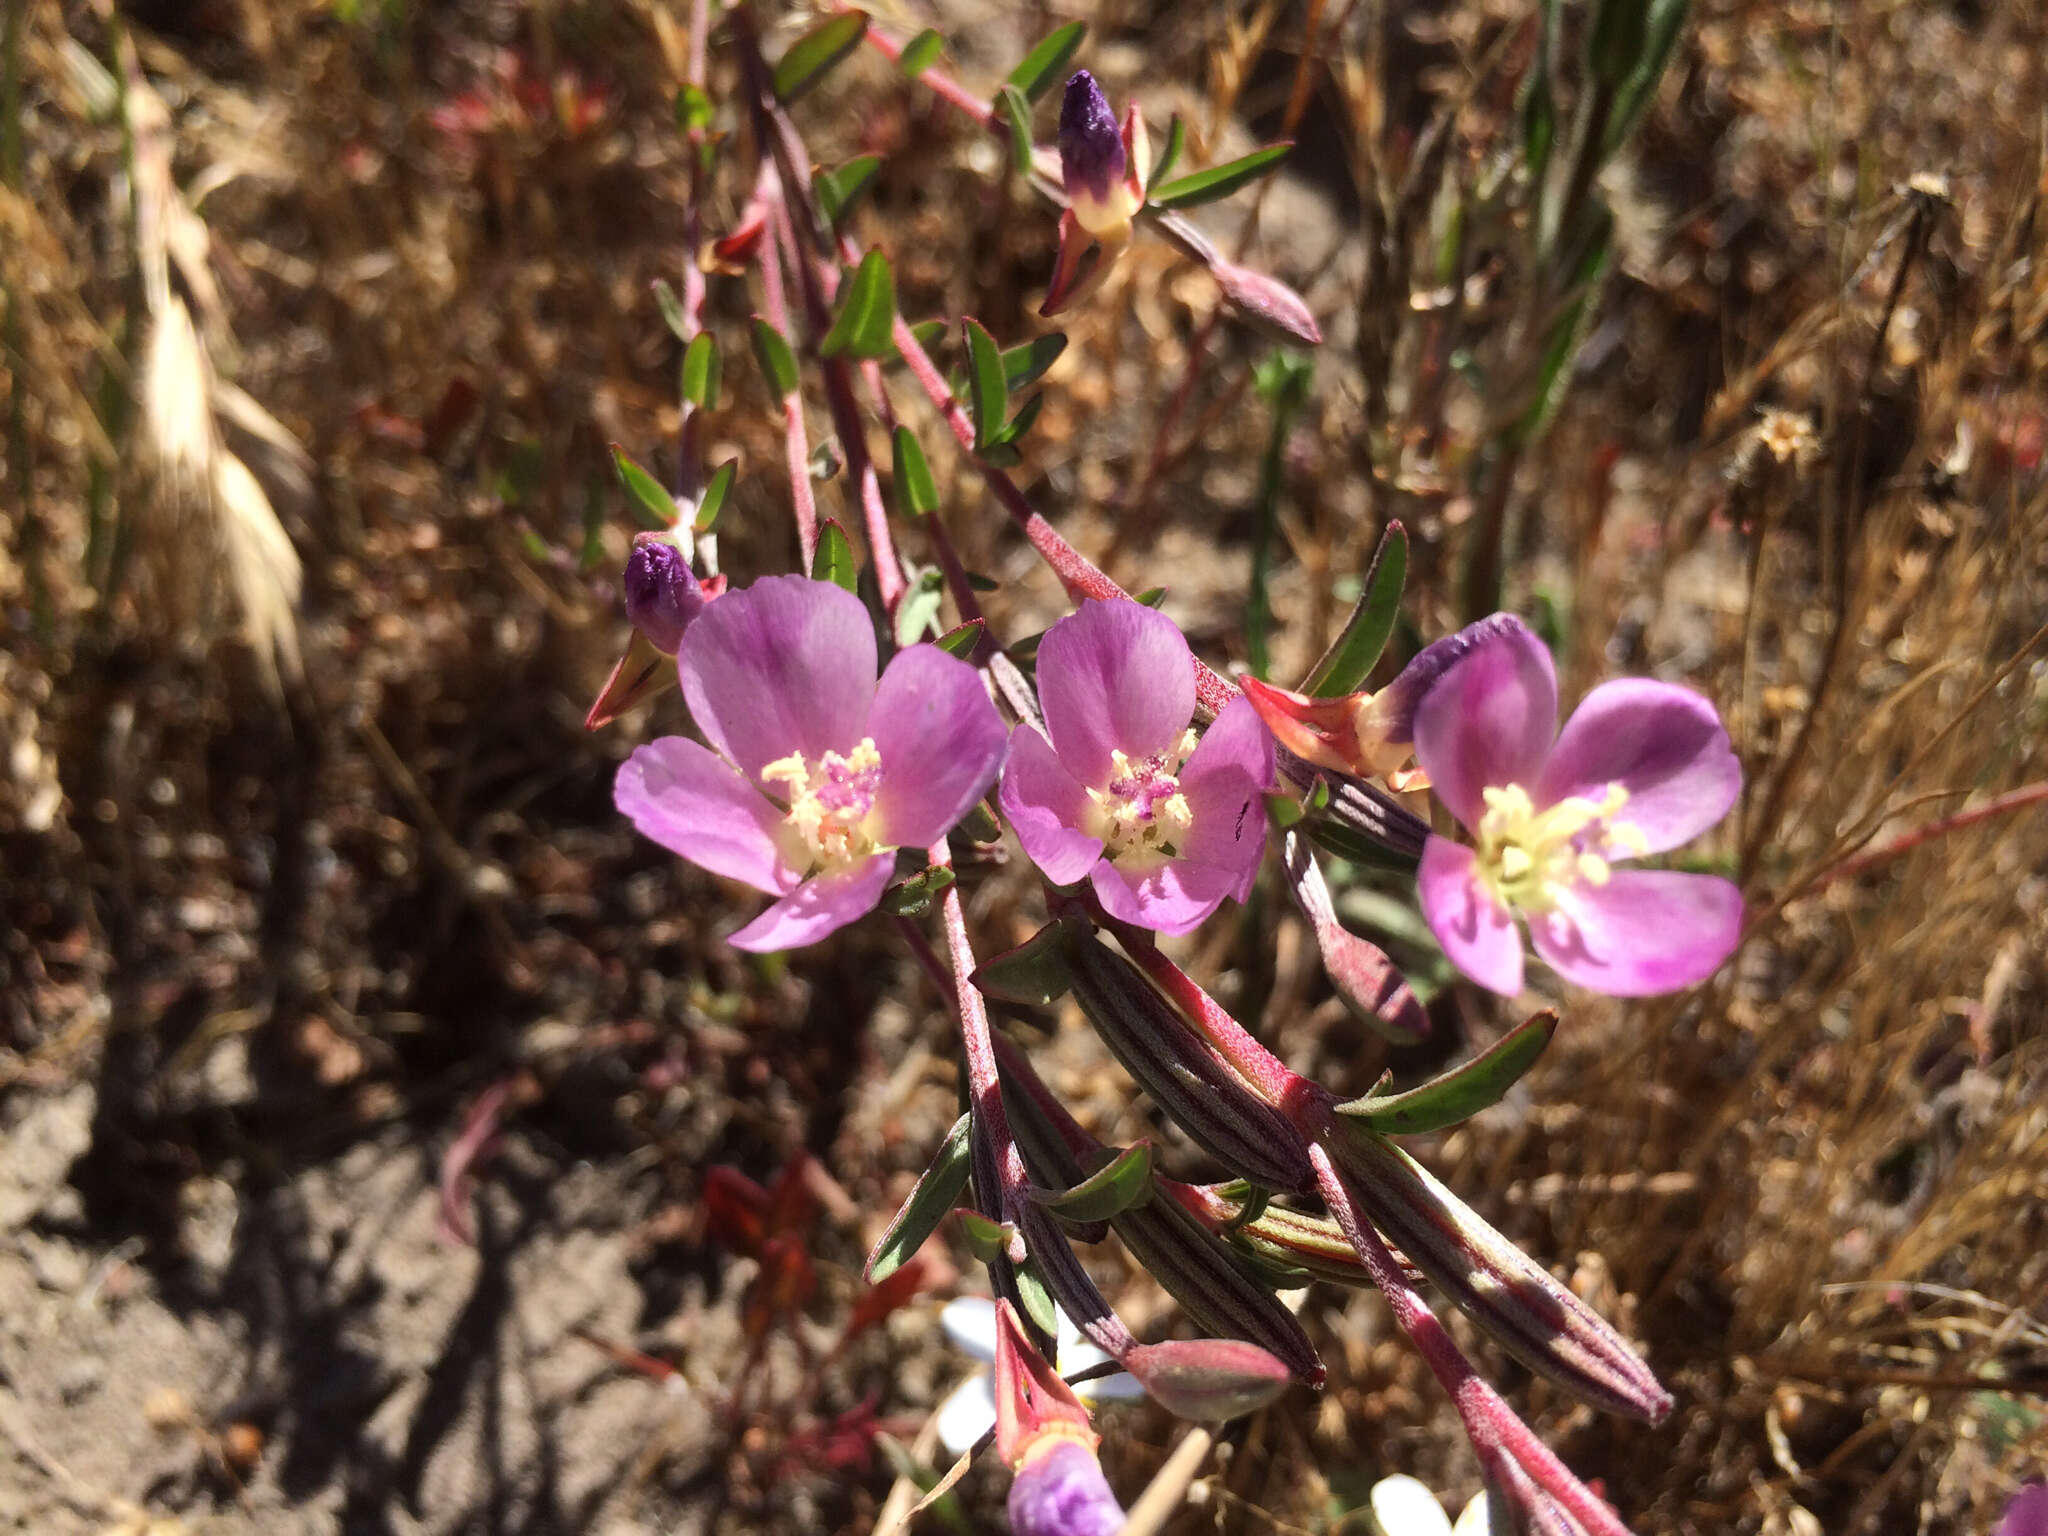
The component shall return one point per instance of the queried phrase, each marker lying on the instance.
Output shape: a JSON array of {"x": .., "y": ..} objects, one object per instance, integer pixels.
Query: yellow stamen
[
  {"x": 831, "y": 802},
  {"x": 1529, "y": 858}
]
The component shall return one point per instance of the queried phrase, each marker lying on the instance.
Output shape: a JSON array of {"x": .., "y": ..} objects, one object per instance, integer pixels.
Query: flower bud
[
  {"x": 1060, "y": 1491},
  {"x": 1093, "y": 163},
  {"x": 662, "y": 593},
  {"x": 1275, "y": 309}
]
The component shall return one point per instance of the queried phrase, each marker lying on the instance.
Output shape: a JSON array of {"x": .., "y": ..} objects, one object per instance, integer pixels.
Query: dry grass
[{"x": 1814, "y": 1190}]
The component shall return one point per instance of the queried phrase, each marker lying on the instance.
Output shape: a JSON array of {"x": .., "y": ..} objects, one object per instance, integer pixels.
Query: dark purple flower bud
[
  {"x": 662, "y": 594},
  {"x": 1092, "y": 157},
  {"x": 1061, "y": 1492}
]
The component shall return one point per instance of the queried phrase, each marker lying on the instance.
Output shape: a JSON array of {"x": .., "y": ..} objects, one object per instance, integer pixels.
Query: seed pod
[{"x": 1201, "y": 1095}]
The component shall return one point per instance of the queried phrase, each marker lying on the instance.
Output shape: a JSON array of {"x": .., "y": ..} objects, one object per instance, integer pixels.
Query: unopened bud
[
  {"x": 662, "y": 592},
  {"x": 1093, "y": 162},
  {"x": 1208, "y": 1380},
  {"x": 1060, "y": 1491},
  {"x": 1268, "y": 304}
]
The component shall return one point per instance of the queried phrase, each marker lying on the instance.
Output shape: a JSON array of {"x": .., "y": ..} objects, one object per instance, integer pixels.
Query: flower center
[
  {"x": 830, "y": 801},
  {"x": 1141, "y": 811},
  {"x": 1528, "y": 858}
]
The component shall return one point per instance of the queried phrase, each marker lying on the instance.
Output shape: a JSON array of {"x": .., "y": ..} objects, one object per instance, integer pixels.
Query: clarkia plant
[{"x": 843, "y": 762}]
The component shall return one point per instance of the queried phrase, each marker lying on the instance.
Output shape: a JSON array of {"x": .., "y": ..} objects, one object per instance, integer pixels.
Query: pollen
[
  {"x": 831, "y": 801},
  {"x": 1529, "y": 858},
  {"x": 1141, "y": 813}
]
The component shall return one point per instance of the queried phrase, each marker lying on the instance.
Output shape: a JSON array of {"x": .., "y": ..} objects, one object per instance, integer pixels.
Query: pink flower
[
  {"x": 1122, "y": 794},
  {"x": 1640, "y": 767},
  {"x": 816, "y": 772},
  {"x": 2027, "y": 1514},
  {"x": 1060, "y": 1491}
]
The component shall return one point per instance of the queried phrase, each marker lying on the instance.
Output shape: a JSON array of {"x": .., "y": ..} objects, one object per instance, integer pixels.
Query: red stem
[
  {"x": 977, "y": 1041},
  {"x": 1941, "y": 826},
  {"x": 940, "y": 84},
  {"x": 1493, "y": 1426},
  {"x": 795, "y": 438},
  {"x": 1081, "y": 577}
]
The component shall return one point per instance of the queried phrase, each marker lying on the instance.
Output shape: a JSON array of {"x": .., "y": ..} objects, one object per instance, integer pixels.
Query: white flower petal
[
  {"x": 968, "y": 1413},
  {"x": 1403, "y": 1506},
  {"x": 1473, "y": 1521},
  {"x": 970, "y": 1323}
]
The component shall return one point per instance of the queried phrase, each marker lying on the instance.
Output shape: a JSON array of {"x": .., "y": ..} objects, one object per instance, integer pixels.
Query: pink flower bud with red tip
[
  {"x": 1097, "y": 163},
  {"x": 662, "y": 592}
]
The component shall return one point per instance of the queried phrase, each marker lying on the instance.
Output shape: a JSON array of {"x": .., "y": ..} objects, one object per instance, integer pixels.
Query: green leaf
[
  {"x": 1351, "y": 656},
  {"x": 982, "y": 583},
  {"x": 918, "y": 610},
  {"x": 1219, "y": 180},
  {"x": 929, "y": 333},
  {"x": 1283, "y": 811},
  {"x": 1020, "y": 423},
  {"x": 834, "y": 559},
  {"x": 1124, "y": 1181},
  {"x": 1462, "y": 1092},
  {"x": 913, "y": 897},
  {"x": 1043, "y": 65},
  {"x": 1035, "y": 972},
  {"x": 778, "y": 363},
  {"x": 714, "y": 496},
  {"x": 1017, "y": 112},
  {"x": 936, "y": 1192},
  {"x": 980, "y": 822},
  {"x": 1038, "y": 1303},
  {"x": 701, "y": 371},
  {"x": 652, "y": 505},
  {"x": 916, "y": 492},
  {"x": 671, "y": 309},
  {"x": 1169, "y": 154},
  {"x": 867, "y": 312},
  {"x": 693, "y": 110},
  {"x": 988, "y": 397},
  {"x": 839, "y": 190},
  {"x": 986, "y": 1240},
  {"x": 1023, "y": 366},
  {"x": 811, "y": 55},
  {"x": 920, "y": 53},
  {"x": 1151, "y": 597},
  {"x": 1661, "y": 28},
  {"x": 961, "y": 641}
]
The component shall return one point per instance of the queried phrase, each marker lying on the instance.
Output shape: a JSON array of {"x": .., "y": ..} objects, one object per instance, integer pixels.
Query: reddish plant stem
[
  {"x": 846, "y": 420},
  {"x": 1493, "y": 1426},
  {"x": 977, "y": 1042},
  {"x": 1076, "y": 572},
  {"x": 796, "y": 440},
  {"x": 1927, "y": 832},
  {"x": 935, "y": 80}
]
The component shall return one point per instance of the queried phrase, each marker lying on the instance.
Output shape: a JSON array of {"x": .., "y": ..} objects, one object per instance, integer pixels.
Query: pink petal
[
  {"x": 819, "y": 906},
  {"x": 788, "y": 665},
  {"x": 1476, "y": 932},
  {"x": 1663, "y": 744},
  {"x": 691, "y": 802},
  {"x": 1238, "y": 740},
  {"x": 941, "y": 741},
  {"x": 1229, "y": 830},
  {"x": 1645, "y": 931},
  {"x": 1114, "y": 676},
  {"x": 1172, "y": 897},
  {"x": 1488, "y": 720},
  {"x": 1048, "y": 808}
]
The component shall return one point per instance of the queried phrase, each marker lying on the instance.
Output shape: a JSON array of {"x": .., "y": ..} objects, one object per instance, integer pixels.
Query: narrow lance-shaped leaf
[
  {"x": 1035, "y": 972},
  {"x": 913, "y": 897},
  {"x": 834, "y": 560},
  {"x": 1038, "y": 1301},
  {"x": 671, "y": 309},
  {"x": 987, "y": 395},
  {"x": 1044, "y": 65},
  {"x": 811, "y": 55},
  {"x": 937, "y": 1192},
  {"x": 987, "y": 1240},
  {"x": 1352, "y": 655},
  {"x": 928, "y": 333},
  {"x": 1025, "y": 364},
  {"x": 778, "y": 364},
  {"x": 1219, "y": 180},
  {"x": 715, "y": 492},
  {"x": 1122, "y": 1182},
  {"x": 701, "y": 371},
  {"x": 1169, "y": 153},
  {"x": 866, "y": 321},
  {"x": 921, "y": 53},
  {"x": 1462, "y": 1092},
  {"x": 962, "y": 640},
  {"x": 652, "y": 505},
  {"x": 1016, "y": 112},
  {"x": 839, "y": 190},
  {"x": 917, "y": 611},
  {"x": 1665, "y": 21},
  {"x": 1015, "y": 428},
  {"x": 916, "y": 492}
]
